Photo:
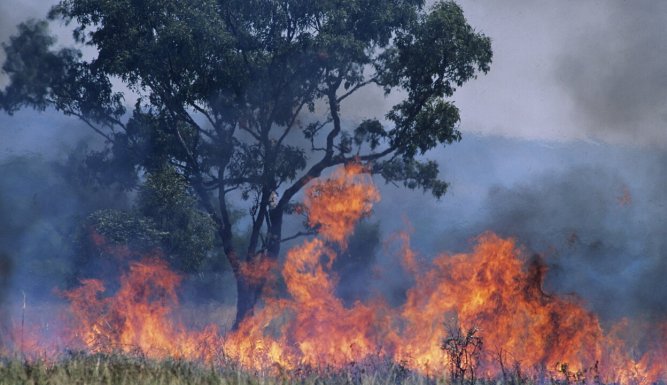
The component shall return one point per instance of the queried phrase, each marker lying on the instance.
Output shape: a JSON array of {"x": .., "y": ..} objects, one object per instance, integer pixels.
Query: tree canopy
[{"x": 242, "y": 98}]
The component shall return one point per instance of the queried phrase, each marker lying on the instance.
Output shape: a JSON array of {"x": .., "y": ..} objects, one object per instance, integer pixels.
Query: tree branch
[
  {"x": 358, "y": 86},
  {"x": 197, "y": 126},
  {"x": 291, "y": 122},
  {"x": 91, "y": 125},
  {"x": 327, "y": 160}
]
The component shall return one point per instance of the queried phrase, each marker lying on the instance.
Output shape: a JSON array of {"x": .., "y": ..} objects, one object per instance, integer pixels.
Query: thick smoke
[
  {"x": 600, "y": 228},
  {"x": 43, "y": 203},
  {"x": 595, "y": 214},
  {"x": 615, "y": 72},
  {"x": 596, "y": 232}
]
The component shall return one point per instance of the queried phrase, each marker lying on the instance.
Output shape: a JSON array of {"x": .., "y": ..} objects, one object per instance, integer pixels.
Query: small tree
[
  {"x": 463, "y": 351},
  {"x": 243, "y": 97}
]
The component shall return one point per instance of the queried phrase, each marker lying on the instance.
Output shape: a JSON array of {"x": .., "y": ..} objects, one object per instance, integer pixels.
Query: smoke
[
  {"x": 615, "y": 72},
  {"x": 596, "y": 215},
  {"x": 42, "y": 205},
  {"x": 584, "y": 221},
  {"x": 599, "y": 228}
]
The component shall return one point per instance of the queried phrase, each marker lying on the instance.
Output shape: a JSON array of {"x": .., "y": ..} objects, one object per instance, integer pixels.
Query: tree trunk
[
  {"x": 246, "y": 299},
  {"x": 248, "y": 293},
  {"x": 275, "y": 232}
]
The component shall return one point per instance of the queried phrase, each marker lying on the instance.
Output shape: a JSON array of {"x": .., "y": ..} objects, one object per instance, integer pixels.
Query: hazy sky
[{"x": 590, "y": 70}]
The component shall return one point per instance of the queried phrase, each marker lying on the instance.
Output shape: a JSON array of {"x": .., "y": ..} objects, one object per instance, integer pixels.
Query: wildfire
[{"x": 493, "y": 293}]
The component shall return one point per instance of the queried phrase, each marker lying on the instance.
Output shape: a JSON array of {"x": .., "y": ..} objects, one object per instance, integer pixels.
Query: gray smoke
[
  {"x": 596, "y": 214},
  {"x": 602, "y": 235},
  {"x": 615, "y": 72}
]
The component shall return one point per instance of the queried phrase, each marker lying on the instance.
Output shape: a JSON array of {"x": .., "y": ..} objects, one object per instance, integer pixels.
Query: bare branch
[
  {"x": 249, "y": 131},
  {"x": 291, "y": 122},
  {"x": 203, "y": 111},
  {"x": 91, "y": 125},
  {"x": 208, "y": 116},
  {"x": 298, "y": 235},
  {"x": 289, "y": 238},
  {"x": 358, "y": 86}
]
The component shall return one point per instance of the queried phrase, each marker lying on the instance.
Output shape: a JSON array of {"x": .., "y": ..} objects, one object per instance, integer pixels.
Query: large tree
[{"x": 243, "y": 97}]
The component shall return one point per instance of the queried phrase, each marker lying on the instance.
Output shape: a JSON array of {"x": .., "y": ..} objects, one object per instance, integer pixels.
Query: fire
[
  {"x": 492, "y": 295},
  {"x": 337, "y": 203},
  {"x": 313, "y": 327},
  {"x": 137, "y": 317}
]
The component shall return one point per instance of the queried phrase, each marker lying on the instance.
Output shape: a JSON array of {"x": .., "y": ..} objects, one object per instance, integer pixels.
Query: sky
[{"x": 564, "y": 145}]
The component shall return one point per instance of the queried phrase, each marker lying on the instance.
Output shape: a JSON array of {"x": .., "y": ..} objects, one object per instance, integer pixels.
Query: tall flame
[{"x": 337, "y": 203}]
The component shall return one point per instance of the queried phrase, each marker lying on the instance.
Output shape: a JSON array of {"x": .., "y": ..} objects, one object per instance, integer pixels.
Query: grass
[
  {"x": 115, "y": 370},
  {"x": 125, "y": 370},
  {"x": 83, "y": 369}
]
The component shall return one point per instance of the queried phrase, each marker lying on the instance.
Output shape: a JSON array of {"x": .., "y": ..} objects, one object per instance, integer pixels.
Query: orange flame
[
  {"x": 137, "y": 317},
  {"x": 337, "y": 203}
]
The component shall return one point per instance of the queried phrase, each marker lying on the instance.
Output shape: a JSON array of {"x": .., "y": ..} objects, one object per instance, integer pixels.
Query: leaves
[{"x": 413, "y": 174}]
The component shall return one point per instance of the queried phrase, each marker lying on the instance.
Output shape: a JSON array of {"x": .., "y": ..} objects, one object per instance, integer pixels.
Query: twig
[{"x": 22, "y": 320}]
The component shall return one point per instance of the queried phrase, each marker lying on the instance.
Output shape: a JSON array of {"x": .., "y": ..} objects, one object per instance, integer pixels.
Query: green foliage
[
  {"x": 249, "y": 66},
  {"x": 414, "y": 173},
  {"x": 41, "y": 78},
  {"x": 125, "y": 228},
  {"x": 166, "y": 217},
  {"x": 188, "y": 234}
]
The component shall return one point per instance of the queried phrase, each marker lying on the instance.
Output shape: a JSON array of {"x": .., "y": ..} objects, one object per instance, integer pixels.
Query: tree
[{"x": 228, "y": 91}]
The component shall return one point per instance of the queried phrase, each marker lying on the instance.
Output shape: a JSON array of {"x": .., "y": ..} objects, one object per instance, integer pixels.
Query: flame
[
  {"x": 137, "y": 317},
  {"x": 495, "y": 291},
  {"x": 259, "y": 270},
  {"x": 336, "y": 204}
]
